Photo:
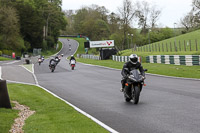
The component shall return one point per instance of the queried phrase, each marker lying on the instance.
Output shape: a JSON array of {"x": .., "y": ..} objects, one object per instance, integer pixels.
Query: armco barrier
[
  {"x": 188, "y": 60},
  {"x": 88, "y": 56}
]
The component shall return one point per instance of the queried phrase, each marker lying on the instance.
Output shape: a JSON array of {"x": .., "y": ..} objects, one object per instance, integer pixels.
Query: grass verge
[
  {"x": 4, "y": 59},
  {"x": 161, "y": 69},
  {"x": 52, "y": 115}
]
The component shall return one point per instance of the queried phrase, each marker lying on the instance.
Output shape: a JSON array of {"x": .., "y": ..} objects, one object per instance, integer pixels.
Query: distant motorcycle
[
  {"x": 133, "y": 86},
  {"x": 39, "y": 61}
]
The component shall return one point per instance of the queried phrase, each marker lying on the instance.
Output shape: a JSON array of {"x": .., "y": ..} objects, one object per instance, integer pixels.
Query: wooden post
[
  {"x": 175, "y": 49},
  {"x": 159, "y": 46},
  {"x": 184, "y": 46},
  {"x": 179, "y": 45},
  {"x": 155, "y": 47},
  {"x": 152, "y": 47},
  {"x": 4, "y": 97},
  {"x": 167, "y": 47},
  {"x": 190, "y": 45},
  {"x": 149, "y": 48},
  {"x": 196, "y": 45},
  {"x": 170, "y": 47},
  {"x": 162, "y": 47}
]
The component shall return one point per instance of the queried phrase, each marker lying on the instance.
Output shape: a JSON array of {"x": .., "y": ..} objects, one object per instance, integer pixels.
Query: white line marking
[
  {"x": 0, "y": 72},
  {"x": 26, "y": 68},
  {"x": 12, "y": 62},
  {"x": 35, "y": 78},
  {"x": 36, "y": 81}
]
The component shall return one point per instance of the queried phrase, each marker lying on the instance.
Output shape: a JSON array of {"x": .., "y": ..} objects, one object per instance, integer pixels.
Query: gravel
[{"x": 24, "y": 113}]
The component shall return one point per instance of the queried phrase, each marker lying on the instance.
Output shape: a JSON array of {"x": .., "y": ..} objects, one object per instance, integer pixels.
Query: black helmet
[{"x": 133, "y": 58}]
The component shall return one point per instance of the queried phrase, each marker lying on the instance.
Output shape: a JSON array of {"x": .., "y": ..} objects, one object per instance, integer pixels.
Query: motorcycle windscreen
[{"x": 135, "y": 73}]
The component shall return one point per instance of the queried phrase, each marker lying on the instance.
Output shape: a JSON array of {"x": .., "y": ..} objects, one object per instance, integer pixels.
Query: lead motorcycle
[
  {"x": 72, "y": 64},
  {"x": 133, "y": 86}
]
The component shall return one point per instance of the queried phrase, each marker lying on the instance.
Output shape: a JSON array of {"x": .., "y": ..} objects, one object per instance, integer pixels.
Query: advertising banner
[{"x": 97, "y": 44}]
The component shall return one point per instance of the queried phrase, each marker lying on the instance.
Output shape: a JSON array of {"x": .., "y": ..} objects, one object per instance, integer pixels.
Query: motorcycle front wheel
[{"x": 136, "y": 94}]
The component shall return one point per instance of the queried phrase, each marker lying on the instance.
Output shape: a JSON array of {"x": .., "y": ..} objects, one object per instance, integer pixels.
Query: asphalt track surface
[{"x": 167, "y": 105}]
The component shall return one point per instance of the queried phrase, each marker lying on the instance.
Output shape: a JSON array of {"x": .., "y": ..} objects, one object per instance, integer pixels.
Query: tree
[
  {"x": 31, "y": 24},
  {"x": 188, "y": 21},
  {"x": 114, "y": 22},
  {"x": 154, "y": 16},
  {"x": 9, "y": 29},
  {"x": 127, "y": 13},
  {"x": 147, "y": 15}
]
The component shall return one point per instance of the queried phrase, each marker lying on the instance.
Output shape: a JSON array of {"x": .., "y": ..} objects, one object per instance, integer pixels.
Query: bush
[{"x": 0, "y": 53}]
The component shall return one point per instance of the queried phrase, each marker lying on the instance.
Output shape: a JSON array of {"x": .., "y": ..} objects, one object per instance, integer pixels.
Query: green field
[
  {"x": 188, "y": 44},
  {"x": 52, "y": 115}
]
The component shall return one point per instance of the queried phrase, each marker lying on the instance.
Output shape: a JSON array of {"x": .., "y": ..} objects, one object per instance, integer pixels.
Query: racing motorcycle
[
  {"x": 52, "y": 66},
  {"x": 133, "y": 86},
  {"x": 72, "y": 64},
  {"x": 39, "y": 61}
]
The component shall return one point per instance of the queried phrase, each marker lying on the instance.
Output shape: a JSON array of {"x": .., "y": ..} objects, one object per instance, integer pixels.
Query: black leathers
[{"x": 130, "y": 66}]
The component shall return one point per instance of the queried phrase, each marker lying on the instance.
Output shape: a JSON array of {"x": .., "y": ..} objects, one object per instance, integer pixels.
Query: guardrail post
[{"x": 4, "y": 97}]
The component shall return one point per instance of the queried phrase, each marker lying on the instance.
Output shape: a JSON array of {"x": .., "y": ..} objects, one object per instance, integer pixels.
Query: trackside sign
[{"x": 97, "y": 44}]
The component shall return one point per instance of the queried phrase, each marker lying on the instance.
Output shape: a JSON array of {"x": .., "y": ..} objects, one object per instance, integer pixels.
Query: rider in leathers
[{"x": 130, "y": 65}]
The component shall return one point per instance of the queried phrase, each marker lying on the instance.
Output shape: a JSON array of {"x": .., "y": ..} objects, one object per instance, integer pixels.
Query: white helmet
[
  {"x": 72, "y": 55},
  {"x": 133, "y": 58}
]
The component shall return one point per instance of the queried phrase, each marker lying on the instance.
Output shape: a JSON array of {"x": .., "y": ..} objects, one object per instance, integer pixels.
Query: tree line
[
  {"x": 98, "y": 23},
  {"x": 28, "y": 24}
]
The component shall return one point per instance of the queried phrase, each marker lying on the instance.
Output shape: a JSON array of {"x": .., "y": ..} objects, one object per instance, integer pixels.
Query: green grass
[
  {"x": 4, "y": 59},
  {"x": 29, "y": 67},
  {"x": 162, "y": 69},
  {"x": 7, "y": 117},
  {"x": 52, "y": 115},
  {"x": 192, "y": 36}
]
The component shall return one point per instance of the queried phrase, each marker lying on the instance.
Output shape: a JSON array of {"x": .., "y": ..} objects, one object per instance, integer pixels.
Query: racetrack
[{"x": 167, "y": 105}]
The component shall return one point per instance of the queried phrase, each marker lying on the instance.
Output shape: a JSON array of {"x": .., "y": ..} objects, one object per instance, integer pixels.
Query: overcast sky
[{"x": 172, "y": 10}]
